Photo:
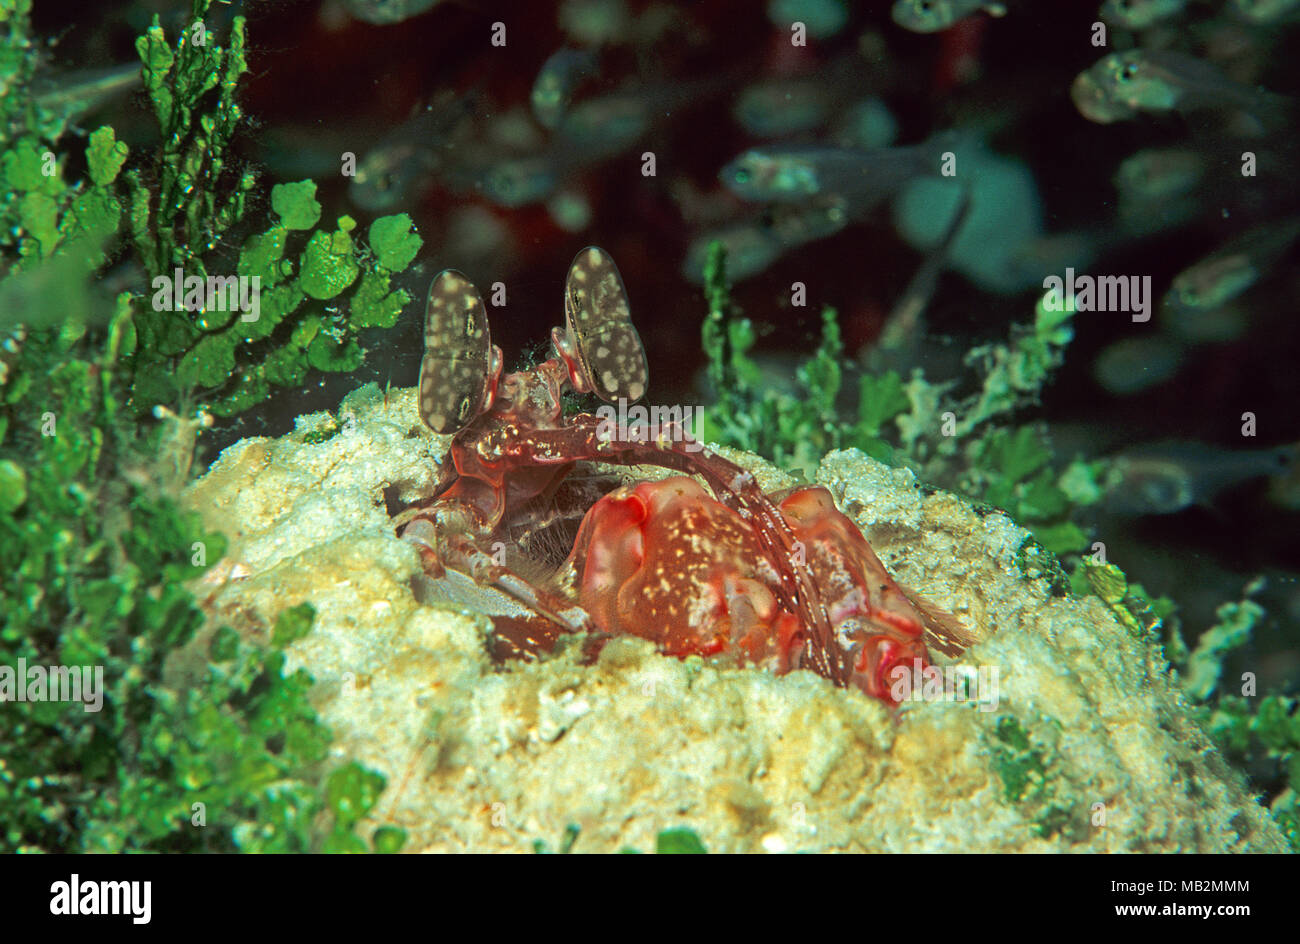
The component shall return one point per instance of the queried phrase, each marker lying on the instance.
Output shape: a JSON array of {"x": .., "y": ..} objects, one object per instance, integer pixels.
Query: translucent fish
[
  {"x": 554, "y": 86},
  {"x": 607, "y": 125},
  {"x": 523, "y": 181},
  {"x": 1197, "y": 326},
  {"x": 1232, "y": 269},
  {"x": 1168, "y": 477},
  {"x": 750, "y": 250},
  {"x": 860, "y": 178},
  {"x": 390, "y": 172},
  {"x": 596, "y": 22},
  {"x": 590, "y": 132},
  {"x": 1140, "y": 14},
  {"x": 823, "y": 19},
  {"x": 1123, "y": 84},
  {"x": 865, "y": 124},
  {"x": 570, "y": 210},
  {"x": 756, "y": 243},
  {"x": 1266, "y": 12},
  {"x": 793, "y": 226},
  {"x": 931, "y": 16},
  {"x": 382, "y": 12},
  {"x": 73, "y": 92},
  {"x": 776, "y": 108},
  {"x": 1131, "y": 365},
  {"x": 1159, "y": 174}
]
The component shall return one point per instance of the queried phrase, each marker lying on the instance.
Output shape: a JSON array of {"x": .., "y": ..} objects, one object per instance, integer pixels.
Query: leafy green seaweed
[
  {"x": 193, "y": 747},
  {"x": 950, "y": 440}
]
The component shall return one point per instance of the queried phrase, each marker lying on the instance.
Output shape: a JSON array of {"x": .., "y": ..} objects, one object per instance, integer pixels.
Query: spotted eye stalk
[
  {"x": 600, "y": 346},
  {"x": 461, "y": 365}
]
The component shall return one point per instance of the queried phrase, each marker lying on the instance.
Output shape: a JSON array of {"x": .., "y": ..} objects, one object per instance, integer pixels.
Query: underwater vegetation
[
  {"x": 1052, "y": 278},
  {"x": 98, "y": 550}
]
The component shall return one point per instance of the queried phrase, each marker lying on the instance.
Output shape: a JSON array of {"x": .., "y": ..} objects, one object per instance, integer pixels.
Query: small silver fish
[
  {"x": 1165, "y": 478},
  {"x": 556, "y": 82},
  {"x": 795, "y": 225},
  {"x": 931, "y": 16},
  {"x": 1154, "y": 174},
  {"x": 756, "y": 243},
  {"x": 1133, "y": 364},
  {"x": 80, "y": 90},
  {"x": 382, "y": 12},
  {"x": 1122, "y": 84},
  {"x": 388, "y": 174},
  {"x": 1231, "y": 269},
  {"x": 750, "y": 250},
  {"x": 776, "y": 108},
  {"x": 605, "y": 126},
  {"x": 1140, "y": 14},
  {"x": 860, "y": 178},
  {"x": 589, "y": 133},
  {"x": 1266, "y": 12},
  {"x": 521, "y": 181}
]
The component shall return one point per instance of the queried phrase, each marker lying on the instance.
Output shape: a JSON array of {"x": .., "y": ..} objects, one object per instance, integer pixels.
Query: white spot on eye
[
  {"x": 634, "y": 392},
  {"x": 437, "y": 420},
  {"x": 602, "y": 352},
  {"x": 609, "y": 381}
]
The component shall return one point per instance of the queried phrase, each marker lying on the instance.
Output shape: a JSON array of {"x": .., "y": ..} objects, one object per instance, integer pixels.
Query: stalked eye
[
  {"x": 455, "y": 374},
  {"x": 600, "y": 321}
]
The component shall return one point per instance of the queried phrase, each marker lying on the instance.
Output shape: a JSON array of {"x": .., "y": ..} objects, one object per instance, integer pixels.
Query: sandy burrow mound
[{"x": 1088, "y": 746}]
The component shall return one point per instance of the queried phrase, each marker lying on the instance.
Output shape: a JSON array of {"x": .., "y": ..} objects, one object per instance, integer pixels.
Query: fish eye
[
  {"x": 1162, "y": 493},
  {"x": 1129, "y": 71},
  {"x": 742, "y": 175}
]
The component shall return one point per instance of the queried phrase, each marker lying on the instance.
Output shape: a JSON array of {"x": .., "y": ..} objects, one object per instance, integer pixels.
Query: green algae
[
  {"x": 1027, "y": 772},
  {"x": 960, "y": 442},
  {"x": 102, "y": 564},
  {"x": 182, "y": 205}
]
